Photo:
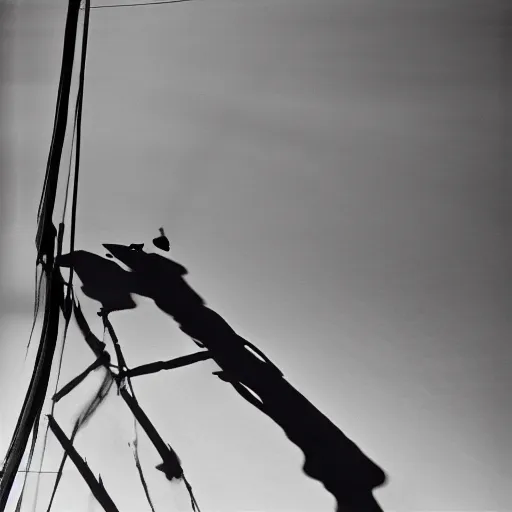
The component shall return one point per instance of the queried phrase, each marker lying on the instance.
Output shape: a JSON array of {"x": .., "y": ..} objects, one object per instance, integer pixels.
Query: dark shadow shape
[
  {"x": 103, "y": 280},
  {"x": 162, "y": 242},
  {"x": 330, "y": 457}
]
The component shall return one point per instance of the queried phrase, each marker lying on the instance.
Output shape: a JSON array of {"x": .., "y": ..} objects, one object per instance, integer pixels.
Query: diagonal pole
[{"x": 96, "y": 486}]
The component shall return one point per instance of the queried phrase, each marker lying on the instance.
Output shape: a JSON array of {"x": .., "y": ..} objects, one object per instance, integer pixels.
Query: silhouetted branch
[
  {"x": 117, "y": 348},
  {"x": 100, "y": 361},
  {"x": 139, "y": 4},
  {"x": 61, "y": 468},
  {"x": 170, "y": 459},
  {"x": 158, "y": 366},
  {"x": 82, "y": 419},
  {"x": 94, "y": 343},
  {"x": 96, "y": 486},
  {"x": 171, "y": 464}
]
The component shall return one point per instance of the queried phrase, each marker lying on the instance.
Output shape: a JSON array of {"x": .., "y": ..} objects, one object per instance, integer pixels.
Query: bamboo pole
[
  {"x": 97, "y": 488},
  {"x": 171, "y": 465}
]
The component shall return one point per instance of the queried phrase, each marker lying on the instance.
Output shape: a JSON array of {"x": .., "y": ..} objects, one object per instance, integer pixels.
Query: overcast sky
[{"x": 332, "y": 173}]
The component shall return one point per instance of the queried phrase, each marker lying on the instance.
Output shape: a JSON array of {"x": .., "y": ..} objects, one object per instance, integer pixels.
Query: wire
[
  {"x": 139, "y": 4},
  {"x": 37, "y": 303},
  {"x": 139, "y": 468}
]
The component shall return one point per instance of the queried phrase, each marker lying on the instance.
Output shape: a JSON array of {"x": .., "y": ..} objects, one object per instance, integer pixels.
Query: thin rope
[
  {"x": 193, "y": 501},
  {"x": 161, "y": 2},
  {"x": 37, "y": 303},
  {"x": 141, "y": 474}
]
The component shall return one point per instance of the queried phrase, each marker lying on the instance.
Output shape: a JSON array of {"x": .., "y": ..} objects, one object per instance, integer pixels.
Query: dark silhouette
[
  {"x": 103, "y": 280},
  {"x": 171, "y": 471},
  {"x": 330, "y": 457},
  {"x": 136, "y": 247},
  {"x": 162, "y": 242},
  {"x": 96, "y": 486}
]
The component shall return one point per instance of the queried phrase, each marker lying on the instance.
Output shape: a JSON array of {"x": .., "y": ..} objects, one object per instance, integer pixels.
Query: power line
[{"x": 139, "y": 4}]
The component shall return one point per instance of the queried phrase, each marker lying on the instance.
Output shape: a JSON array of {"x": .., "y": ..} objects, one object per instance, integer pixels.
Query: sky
[{"x": 333, "y": 175}]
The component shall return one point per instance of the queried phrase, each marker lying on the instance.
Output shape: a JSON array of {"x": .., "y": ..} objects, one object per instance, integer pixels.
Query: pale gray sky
[{"x": 332, "y": 174}]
